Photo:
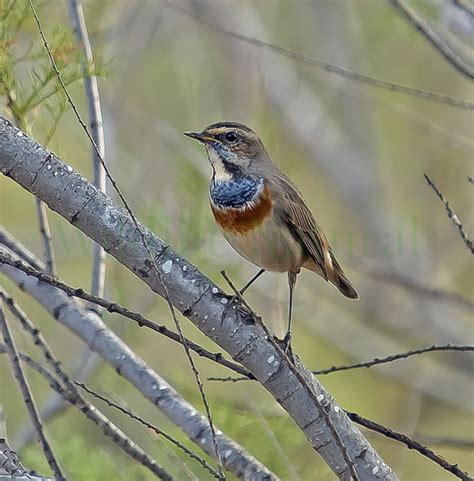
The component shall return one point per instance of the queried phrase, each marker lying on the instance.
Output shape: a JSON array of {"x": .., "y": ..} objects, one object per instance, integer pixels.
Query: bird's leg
[
  {"x": 291, "y": 285},
  {"x": 251, "y": 281}
]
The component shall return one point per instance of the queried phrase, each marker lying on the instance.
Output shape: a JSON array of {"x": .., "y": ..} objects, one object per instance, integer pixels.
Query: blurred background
[{"x": 358, "y": 154}]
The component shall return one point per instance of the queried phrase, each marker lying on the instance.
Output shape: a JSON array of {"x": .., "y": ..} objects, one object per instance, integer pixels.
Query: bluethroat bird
[{"x": 262, "y": 214}]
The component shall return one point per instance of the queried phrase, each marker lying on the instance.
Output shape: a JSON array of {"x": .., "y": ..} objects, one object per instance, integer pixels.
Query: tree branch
[
  {"x": 454, "y": 218},
  {"x": 235, "y": 330}
]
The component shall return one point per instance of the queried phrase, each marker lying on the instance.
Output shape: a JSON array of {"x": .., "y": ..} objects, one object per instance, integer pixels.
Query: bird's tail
[{"x": 339, "y": 279}]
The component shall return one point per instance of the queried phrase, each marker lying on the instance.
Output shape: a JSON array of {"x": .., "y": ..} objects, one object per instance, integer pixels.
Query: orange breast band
[{"x": 247, "y": 218}]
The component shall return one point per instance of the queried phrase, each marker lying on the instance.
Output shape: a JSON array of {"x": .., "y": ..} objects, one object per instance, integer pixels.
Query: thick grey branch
[{"x": 235, "y": 330}]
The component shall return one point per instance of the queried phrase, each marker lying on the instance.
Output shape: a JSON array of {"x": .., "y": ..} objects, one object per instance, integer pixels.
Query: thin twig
[
  {"x": 373, "y": 362},
  {"x": 395, "y": 357},
  {"x": 435, "y": 38},
  {"x": 410, "y": 443},
  {"x": 76, "y": 14},
  {"x": 335, "y": 69},
  {"x": 148, "y": 425},
  {"x": 113, "y": 307},
  {"x": 454, "y": 218},
  {"x": 238, "y": 295},
  {"x": 46, "y": 238},
  {"x": 144, "y": 241},
  {"x": 27, "y": 396},
  {"x": 91, "y": 412}
]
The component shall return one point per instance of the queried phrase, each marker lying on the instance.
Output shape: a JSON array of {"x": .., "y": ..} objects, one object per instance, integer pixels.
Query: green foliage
[{"x": 28, "y": 82}]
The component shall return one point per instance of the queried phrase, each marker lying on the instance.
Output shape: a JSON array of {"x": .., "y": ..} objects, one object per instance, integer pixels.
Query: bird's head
[{"x": 233, "y": 148}]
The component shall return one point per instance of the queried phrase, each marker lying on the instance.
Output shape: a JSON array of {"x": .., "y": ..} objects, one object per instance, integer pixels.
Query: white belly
[{"x": 269, "y": 246}]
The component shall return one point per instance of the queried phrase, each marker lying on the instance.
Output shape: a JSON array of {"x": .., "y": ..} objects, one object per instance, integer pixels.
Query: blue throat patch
[{"x": 235, "y": 193}]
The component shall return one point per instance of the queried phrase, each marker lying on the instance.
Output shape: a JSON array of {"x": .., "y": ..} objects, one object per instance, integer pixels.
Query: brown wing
[{"x": 292, "y": 209}]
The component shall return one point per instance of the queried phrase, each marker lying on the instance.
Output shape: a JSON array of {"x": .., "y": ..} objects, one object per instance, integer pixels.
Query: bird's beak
[{"x": 199, "y": 136}]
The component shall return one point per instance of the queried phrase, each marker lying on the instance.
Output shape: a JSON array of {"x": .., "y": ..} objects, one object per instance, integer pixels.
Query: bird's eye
[{"x": 231, "y": 136}]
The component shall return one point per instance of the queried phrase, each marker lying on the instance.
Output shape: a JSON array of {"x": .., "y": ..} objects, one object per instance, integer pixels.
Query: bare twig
[
  {"x": 148, "y": 425},
  {"x": 435, "y": 38},
  {"x": 454, "y": 218},
  {"x": 410, "y": 443},
  {"x": 395, "y": 357},
  {"x": 165, "y": 292},
  {"x": 46, "y": 238},
  {"x": 76, "y": 14},
  {"x": 335, "y": 69},
  {"x": 91, "y": 412},
  {"x": 27, "y": 397}
]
